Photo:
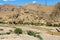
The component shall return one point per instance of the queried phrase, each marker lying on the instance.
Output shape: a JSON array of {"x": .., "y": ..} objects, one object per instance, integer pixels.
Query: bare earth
[
  {"x": 16, "y": 37},
  {"x": 37, "y": 29}
]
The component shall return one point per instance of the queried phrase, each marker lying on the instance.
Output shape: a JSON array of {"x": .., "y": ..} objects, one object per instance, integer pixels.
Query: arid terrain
[
  {"x": 36, "y": 13},
  {"x": 47, "y": 33},
  {"x": 30, "y": 22}
]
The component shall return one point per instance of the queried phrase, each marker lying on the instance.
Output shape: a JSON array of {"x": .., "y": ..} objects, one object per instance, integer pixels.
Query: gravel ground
[
  {"x": 44, "y": 35},
  {"x": 49, "y": 37},
  {"x": 16, "y": 37}
]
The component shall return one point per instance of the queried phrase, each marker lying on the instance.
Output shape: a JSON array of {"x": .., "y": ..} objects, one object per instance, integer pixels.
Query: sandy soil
[
  {"x": 16, "y": 37},
  {"x": 43, "y": 34}
]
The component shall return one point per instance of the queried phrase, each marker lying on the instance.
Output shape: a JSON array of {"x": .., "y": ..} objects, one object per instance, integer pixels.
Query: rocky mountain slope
[{"x": 36, "y": 13}]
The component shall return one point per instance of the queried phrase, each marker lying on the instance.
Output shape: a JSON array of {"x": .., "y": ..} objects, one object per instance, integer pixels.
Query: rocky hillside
[{"x": 36, "y": 13}]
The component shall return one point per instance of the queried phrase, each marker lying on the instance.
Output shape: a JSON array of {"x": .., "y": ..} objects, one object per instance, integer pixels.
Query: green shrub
[
  {"x": 26, "y": 23},
  {"x": 1, "y": 29},
  {"x": 37, "y": 24},
  {"x": 18, "y": 31},
  {"x": 31, "y": 33},
  {"x": 55, "y": 25},
  {"x": 20, "y": 22},
  {"x": 34, "y": 23},
  {"x": 48, "y": 24},
  {"x": 7, "y": 33},
  {"x": 14, "y": 22},
  {"x": 10, "y": 31},
  {"x": 2, "y": 22},
  {"x": 42, "y": 24},
  {"x": 38, "y": 36},
  {"x": 10, "y": 22}
]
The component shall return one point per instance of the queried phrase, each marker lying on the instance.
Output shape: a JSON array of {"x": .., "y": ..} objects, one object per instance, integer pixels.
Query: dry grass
[{"x": 54, "y": 33}]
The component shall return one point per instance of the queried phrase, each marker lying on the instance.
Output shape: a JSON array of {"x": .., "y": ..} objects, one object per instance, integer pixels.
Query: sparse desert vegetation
[
  {"x": 36, "y": 32},
  {"x": 18, "y": 31},
  {"x": 30, "y": 22}
]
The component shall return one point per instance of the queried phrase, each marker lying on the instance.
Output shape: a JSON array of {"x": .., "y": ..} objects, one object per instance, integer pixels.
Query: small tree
[
  {"x": 31, "y": 33},
  {"x": 18, "y": 31}
]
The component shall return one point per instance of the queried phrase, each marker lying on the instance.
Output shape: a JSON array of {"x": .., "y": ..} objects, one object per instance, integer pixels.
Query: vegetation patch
[
  {"x": 1, "y": 29},
  {"x": 38, "y": 36},
  {"x": 8, "y": 33},
  {"x": 31, "y": 33},
  {"x": 18, "y": 31},
  {"x": 48, "y": 24}
]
